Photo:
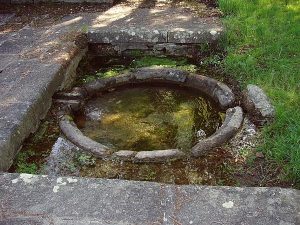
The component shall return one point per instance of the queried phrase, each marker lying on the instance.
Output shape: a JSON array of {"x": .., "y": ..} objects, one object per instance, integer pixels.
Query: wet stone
[
  {"x": 76, "y": 93},
  {"x": 233, "y": 121},
  {"x": 92, "y": 113}
]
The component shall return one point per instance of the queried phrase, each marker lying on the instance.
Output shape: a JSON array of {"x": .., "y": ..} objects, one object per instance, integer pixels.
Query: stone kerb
[{"x": 219, "y": 92}]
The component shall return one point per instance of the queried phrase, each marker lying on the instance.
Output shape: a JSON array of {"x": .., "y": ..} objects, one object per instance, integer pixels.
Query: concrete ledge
[
  {"x": 26, "y": 99},
  {"x": 122, "y": 24},
  {"x": 37, "y": 199}
]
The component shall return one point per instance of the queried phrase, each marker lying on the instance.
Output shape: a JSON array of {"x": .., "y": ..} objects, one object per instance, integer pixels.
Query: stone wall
[{"x": 156, "y": 49}]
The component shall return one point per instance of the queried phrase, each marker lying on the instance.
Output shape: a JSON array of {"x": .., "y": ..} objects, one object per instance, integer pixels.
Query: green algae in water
[{"x": 148, "y": 118}]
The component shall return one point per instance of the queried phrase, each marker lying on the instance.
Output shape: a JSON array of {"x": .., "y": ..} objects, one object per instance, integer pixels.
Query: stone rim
[{"x": 218, "y": 91}]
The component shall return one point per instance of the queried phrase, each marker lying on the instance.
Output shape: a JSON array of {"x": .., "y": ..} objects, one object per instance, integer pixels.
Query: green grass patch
[{"x": 263, "y": 47}]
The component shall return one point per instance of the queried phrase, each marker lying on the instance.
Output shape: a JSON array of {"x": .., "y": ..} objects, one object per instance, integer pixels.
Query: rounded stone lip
[{"x": 218, "y": 91}]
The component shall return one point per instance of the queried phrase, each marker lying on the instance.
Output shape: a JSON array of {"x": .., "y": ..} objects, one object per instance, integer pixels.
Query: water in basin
[{"x": 149, "y": 117}]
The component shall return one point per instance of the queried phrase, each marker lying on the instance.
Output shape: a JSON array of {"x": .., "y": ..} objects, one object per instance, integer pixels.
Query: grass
[{"x": 263, "y": 47}]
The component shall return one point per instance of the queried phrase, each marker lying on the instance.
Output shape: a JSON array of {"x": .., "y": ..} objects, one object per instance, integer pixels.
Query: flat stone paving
[
  {"x": 34, "y": 63},
  {"x": 123, "y": 24},
  {"x": 4, "y": 18},
  {"x": 32, "y": 199}
]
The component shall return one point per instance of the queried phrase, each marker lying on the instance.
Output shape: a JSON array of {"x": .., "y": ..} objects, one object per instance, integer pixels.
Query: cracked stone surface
[{"x": 69, "y": 200}]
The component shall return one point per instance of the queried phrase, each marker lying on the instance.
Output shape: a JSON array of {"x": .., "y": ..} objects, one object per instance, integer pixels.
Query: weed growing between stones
[
  {"x": 23, "y": 165},
  {"x": 37, "y": 147}
]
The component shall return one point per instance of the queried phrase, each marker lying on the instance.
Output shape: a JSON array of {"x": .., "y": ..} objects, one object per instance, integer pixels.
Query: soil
[{"x": 261, "y": 172}]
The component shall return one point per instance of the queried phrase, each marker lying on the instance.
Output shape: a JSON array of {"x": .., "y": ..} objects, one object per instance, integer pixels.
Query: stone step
[
  {"x": 123, "y": 24},
  {"x": 39, "y": 199}
]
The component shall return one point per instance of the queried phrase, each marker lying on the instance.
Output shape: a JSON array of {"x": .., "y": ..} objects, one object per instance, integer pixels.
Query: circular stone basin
[
  {"x": 142, "y": 118},
  {"x": 165, "y": 123}
]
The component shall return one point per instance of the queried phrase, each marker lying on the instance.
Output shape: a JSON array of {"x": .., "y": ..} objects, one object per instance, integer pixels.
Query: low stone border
[
  {"x": 218, "y": 91},
  {"x": 69, "y": 128},
  {"x": 231, "y": 125}
]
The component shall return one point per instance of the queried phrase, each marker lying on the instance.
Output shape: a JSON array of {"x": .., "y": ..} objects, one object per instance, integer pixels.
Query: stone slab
[
  {"x": 26, "y": 89},
  {"x": 6, "y": 60},
  {"x": 77, "y": 201},
  {"x": 4, "y": 18},
  {"x": 18, "y": 42},
  {"x": 34, "y": 64},
  {"x": 123, "y": 24}
]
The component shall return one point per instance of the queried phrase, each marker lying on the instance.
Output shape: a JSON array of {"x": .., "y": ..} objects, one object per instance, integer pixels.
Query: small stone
[
  {"x": 259, "y": 155},
  {"x": 92, "y": 113},
  {"x": 201, "y": 134},
  {"x": 257, "y": 103}
]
